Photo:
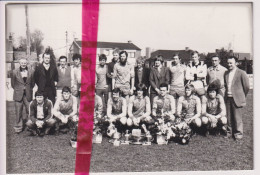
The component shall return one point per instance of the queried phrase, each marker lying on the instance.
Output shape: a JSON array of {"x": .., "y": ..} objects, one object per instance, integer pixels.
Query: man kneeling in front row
[
  {"x": 40, "y": 115},
  {"x": 116, "y": 113},
  {"x": 66, "y": 112}
]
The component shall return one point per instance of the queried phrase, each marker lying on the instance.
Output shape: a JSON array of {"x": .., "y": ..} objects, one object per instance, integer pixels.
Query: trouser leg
[
  {"x": 152, "y": 95},
  {"x": 26, "y": 105},
  {"x": 50, "y": 94},
  {"x": 18, "y": 125},
  {"x": 229, "y": 115},
  {"x": 238, "y": 123}
]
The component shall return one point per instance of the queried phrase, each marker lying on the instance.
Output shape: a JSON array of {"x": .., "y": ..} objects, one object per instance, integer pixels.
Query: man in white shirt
[
  {"x": 237, "y": 85},
  {"x": 196, "y": 73}
]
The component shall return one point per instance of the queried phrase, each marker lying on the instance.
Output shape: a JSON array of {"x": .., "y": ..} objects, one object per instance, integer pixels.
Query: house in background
[
  {"x": 185, "y": 56},
  {"x": 107, "y": 48}
]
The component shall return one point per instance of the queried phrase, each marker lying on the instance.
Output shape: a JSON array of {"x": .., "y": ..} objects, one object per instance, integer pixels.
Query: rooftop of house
[{"x": 113, "y": 45}]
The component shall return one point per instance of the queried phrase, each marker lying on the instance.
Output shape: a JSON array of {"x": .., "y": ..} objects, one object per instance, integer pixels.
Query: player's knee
[
  {"x": 29, "y": 124},
  {"x": 172, "y": 117},
  {"x": 223, "y": 120},
  {"x": 204, "y": 120},
  {"x": 51, "y": 122},
  {"x": 197, "y": 122},
  {"x": 75, "y": 118},
  {"x": 129, "y": 122},
  {"x": 123, "y": 120}
]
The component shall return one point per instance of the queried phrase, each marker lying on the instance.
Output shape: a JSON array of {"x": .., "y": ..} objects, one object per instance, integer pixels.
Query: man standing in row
[
  {"x": 110, "y": 69},
  {"x": 177, "y": 77},
  {"x": 237, "y": 85},
  {"x": 64, "y": 73},
  {"x": 123, "y": 76},
  {"x": 141, "y": 74},
  {"x": 46, "y": 78},
  {"x": 216, "y": 72},
  {"x": 196, "y": 73},
  {"x": 22, "y": 82},
  {"x": 158, "y": 75}
]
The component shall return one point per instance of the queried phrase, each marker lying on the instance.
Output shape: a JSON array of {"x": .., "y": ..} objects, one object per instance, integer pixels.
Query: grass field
[{"x": 53, "y": 154}]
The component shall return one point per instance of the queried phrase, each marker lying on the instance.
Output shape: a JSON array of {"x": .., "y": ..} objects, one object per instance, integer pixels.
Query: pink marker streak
[{"x": 90, "y": 10}]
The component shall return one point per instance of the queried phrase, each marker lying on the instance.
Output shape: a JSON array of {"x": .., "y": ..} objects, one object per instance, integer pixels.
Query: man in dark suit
[
  {"x": 22, "y": 82},
  {"x": 141, "y": 74},
  {"x": 158, "y": 75},
  {"x": 46, "y": 78},
  {"x": 237, "y": 85}
]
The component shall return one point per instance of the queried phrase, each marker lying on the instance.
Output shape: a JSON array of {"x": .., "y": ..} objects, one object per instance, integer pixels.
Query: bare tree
[{"x": 36, "y": 41}]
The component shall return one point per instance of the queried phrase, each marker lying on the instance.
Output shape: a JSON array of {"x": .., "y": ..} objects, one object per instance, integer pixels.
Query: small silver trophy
[
  {"x": 148, "y": 135},
  {"x": 127, "y": 135}
]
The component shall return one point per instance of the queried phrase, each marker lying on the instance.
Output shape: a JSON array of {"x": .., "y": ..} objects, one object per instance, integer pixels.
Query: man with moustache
[
  {"x": 123, "y": 76},
  {"x": 110, "y": 69},
  {"x": 22, "y": 82},
  {"x": 177, "y": 77},
  {"x": 237, "y": 85},
  {"x": 216, "y": 72},
  {"x": 158, "y": 75},
  {"x": 46, "y": 78}
]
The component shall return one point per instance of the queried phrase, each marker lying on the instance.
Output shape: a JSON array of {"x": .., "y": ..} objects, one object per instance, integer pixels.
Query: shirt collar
[
  {"x": 46, "y": 65},
  {"x": 40, "y": 104},
  {"x": 26, "y": 68},
  {"x": 64, "y": 67},
  {"x": 215, "y": 68}
]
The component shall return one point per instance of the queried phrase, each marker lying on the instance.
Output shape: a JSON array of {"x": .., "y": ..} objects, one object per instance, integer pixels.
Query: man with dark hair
[
  {"x": 64, "y": 73},
  {"x": 189, "y": 107},
  {"x": 22, "y": 82},
  {"x": 110, "y": 69},
  {"x": 101, "y": 80},
  {"x": 213, "y": 108},
  {"x": 40, "y": 115},
  {"x": 158, "y": 75},
  {"x": 177, "y": 77},
  {"x": 65, "y": 109},
  {"x": 164, "y": 104},
  {"x": 116, "y": 110},
  {"x": 141, "y": 74},
  {"x": 46, "y": 78},
  {"x": 196, "y": 73},
  {"x": 237, "y": 85},
  {"x": 216, "y": 72},
  {"x": 123, "y": 76},
  {"x": 139, "y": 107},
  {"x": 76, "y": 75}
]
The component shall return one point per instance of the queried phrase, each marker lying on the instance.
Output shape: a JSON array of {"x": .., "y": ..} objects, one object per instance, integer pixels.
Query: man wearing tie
[
  {"x": 237, "y": 85},
  {"x": 22, "y": 82},
  {"x": 158, "y": 75},
  {"x": 64, "y": 73}
]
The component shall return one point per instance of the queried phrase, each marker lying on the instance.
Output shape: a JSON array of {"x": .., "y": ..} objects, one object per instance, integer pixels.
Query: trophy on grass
[
  {"x": 126, "y": 141},
  {"x": 147, "y": 135}
]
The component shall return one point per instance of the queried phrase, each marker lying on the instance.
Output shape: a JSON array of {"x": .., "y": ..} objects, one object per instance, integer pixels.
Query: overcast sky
[{"x": 199, "y": 26}]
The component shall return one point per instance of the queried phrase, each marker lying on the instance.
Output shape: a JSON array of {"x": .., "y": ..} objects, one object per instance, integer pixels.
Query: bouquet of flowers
[
  {"x": 182, "y": 130},
  {"x": 165, "y": 128}
]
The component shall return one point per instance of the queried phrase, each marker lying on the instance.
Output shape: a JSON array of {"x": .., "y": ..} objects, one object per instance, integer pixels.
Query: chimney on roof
[
  {"x": 187, "y": 48},
  {"x": 129, "y": 41}
]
